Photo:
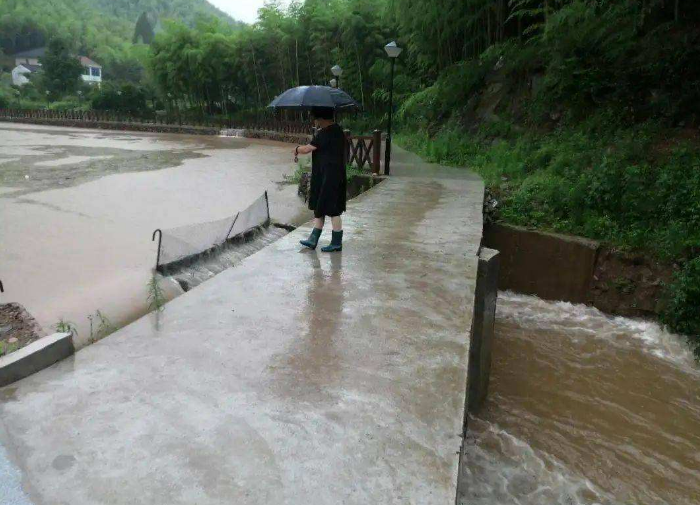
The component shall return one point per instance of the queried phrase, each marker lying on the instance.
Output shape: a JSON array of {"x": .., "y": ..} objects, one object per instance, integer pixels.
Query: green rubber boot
[
  {"x": 312, "y": 241},
  {"x": 336, "y": 244}
]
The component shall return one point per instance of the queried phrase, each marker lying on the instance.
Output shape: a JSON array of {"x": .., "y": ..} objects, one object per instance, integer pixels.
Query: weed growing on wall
[
  {"x": 100, "y": 326},
  {"x": 156, "y": 296},
  {"x": 63, "y": 326}
]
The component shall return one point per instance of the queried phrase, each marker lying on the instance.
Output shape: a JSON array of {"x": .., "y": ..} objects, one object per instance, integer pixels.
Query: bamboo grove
[{"x": 216, "y": 67}]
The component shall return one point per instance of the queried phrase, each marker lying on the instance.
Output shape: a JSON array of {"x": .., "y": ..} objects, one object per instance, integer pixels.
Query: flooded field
[
  {"x": 585, "y": 409},
  {"x": 78, "y": 207}
]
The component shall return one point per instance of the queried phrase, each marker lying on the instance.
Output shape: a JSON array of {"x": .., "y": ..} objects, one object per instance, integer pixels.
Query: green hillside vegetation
[{"x": 101, "y": 29}]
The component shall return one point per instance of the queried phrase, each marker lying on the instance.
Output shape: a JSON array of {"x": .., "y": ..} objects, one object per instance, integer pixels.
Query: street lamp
[
  {"x": 337, "y": 72},
  {"x": 19, "y": 98},
  {"x": 393, "y": 51},
  {"x": 80, "y": 97},
  {"x": 333, "y": 83},
  {"x": 48, "y": 101}
]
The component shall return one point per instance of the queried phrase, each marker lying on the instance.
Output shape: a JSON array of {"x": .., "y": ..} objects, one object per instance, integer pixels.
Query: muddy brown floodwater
[
  {"x": 585, "y": 409},
  {"x": 78, "y": 207}
]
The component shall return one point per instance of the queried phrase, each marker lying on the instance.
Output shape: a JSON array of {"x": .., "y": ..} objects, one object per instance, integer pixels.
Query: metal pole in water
[
  {"x": 267, "y": 202},
  {"x": 160, "y": 239},
  {"x": 228, "y": 235}
]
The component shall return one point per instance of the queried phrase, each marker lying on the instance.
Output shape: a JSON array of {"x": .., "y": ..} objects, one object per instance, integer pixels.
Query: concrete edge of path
[
  {"x": 482, "y": 330},
  {"x": 35, "y": 357}
]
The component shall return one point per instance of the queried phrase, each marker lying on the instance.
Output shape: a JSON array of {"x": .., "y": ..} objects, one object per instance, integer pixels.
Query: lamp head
[
  {"x": 336, "y": 70},
  {"x": 392, "y": 50}
]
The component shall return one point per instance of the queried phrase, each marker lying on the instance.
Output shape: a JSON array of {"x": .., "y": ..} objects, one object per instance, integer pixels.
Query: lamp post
[
  {"x": 337, "y": 72},
  {"x": 393, "y": 51},
  {"x": 19, "y": 98},
  {"x": 48, "y": 100},
  {"x": 80, "y": 97}
]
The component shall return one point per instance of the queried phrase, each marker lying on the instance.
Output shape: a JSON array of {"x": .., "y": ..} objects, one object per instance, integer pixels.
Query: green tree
[
  {"x": 61, "y": 69},
  {"x": 143, "y": 32}
]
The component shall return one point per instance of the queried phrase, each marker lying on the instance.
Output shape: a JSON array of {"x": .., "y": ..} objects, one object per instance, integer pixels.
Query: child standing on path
[{"x": 327, "y": 195}]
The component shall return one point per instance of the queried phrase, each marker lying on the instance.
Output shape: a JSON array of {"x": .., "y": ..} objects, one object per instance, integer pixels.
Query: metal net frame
[{"x": 184, "y": 244}]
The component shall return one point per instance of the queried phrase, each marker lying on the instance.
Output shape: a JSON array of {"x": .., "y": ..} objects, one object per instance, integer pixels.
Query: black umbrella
[{"x": 306, "y": 97}]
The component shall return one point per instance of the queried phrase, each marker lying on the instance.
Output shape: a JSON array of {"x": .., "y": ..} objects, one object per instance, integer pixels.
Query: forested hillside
[
  {"x": 186, "y": 11},
  {"x": 101, "y": 29}
]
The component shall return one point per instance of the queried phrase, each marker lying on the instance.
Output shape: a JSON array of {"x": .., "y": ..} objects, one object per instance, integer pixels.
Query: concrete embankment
[
  {"x": 296, "y": 377},
  {"x": 578, "y": 270}
]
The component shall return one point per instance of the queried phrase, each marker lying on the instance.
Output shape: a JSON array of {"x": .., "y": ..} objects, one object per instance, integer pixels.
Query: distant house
[
  {"x": 30, "y": 57},
  {"x": 28, "y": 63},
  {"x": 20, "y": 74},
  {"x": 92, "y": 72}
]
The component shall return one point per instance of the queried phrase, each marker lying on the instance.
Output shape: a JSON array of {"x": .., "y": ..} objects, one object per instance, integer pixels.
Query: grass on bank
[
  {"x": 6, "y": 348},
  {"x": 636, "y": 188}
]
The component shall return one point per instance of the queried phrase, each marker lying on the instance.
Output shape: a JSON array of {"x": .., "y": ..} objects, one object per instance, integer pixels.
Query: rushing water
[
  {"x": 207, "y": 265},
  {"x": 584, "y": 408}
]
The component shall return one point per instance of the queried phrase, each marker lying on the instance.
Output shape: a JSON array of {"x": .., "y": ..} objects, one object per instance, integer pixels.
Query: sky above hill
[{"x": 242, "y": 10}]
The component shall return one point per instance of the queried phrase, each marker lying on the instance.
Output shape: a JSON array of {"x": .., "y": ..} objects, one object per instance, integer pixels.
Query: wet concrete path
[{"x": 296, "y": 377}]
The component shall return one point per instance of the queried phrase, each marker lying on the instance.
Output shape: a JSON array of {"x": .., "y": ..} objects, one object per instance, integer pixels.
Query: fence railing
[
  {"x": 290, "y": 127},
  {"x": 362, "y": 151}
]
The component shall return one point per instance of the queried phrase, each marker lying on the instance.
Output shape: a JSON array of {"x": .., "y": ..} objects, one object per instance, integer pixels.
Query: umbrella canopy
[{"x": 306, "y": 97}]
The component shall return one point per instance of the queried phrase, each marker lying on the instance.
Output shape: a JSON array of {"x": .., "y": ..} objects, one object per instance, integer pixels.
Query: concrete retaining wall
[
  {"x": 485, "y": 299},
  {"x": 480, "y": 345},
  {"x": 551, "y": 266},
  {"x": 291, "y": 138},
  {"x": 36, "y": 356},
  {"x": 577, "y": 270}
]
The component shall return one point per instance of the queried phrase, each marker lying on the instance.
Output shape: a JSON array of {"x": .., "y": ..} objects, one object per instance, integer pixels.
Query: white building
[
  {"x": 20, "y": 74},
  {"x": 92, "y": 72},
  {"x": 30, "y": 57},
  {"x": 28, "y": 62}
]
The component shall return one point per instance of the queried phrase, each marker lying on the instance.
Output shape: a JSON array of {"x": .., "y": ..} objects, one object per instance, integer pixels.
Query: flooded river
[
  {"x": 78, "y": 207},
  {"x": 583, "y": 409}
]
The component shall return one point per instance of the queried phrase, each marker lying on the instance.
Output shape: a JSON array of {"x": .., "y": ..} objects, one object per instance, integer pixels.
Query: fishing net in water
[{"x": 185, "y": 243}]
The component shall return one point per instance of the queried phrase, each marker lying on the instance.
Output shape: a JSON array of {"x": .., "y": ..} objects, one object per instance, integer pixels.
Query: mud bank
[
  {"x": 17, "y": 328},
  {"x": 577, "y": 270}
]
